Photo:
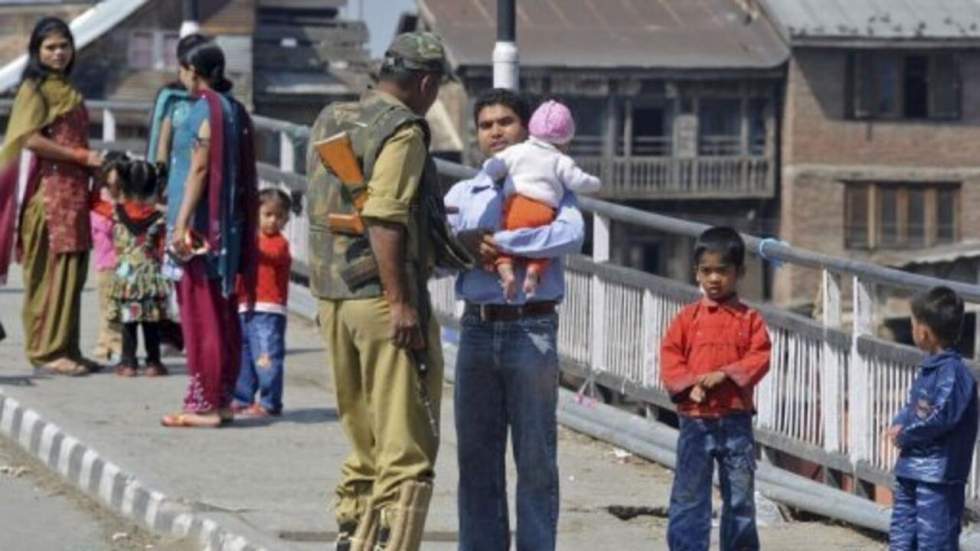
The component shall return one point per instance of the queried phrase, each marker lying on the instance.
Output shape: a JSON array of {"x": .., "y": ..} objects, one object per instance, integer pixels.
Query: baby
[{"x": 540, "y": 174}]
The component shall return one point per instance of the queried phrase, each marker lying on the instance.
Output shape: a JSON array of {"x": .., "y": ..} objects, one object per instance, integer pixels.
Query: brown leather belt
[{"x": 511, "y": 312}]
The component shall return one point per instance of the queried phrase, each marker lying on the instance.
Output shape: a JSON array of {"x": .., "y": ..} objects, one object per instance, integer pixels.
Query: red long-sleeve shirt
[
  {"x": 272, "y": 281},
  {"x": 708, "y": 336}
]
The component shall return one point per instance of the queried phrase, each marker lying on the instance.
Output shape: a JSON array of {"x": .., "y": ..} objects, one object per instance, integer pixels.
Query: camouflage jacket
[{"x": 369, "y": 122}]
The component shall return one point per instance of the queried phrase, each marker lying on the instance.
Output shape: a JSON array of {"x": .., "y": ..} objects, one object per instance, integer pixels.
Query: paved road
[
  {"x": 40, "y": 512},
  {"x": 271, "y": 481}
]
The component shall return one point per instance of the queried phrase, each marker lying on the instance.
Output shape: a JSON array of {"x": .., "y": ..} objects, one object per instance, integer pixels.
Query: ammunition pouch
[{"x": 359, "y": 271}]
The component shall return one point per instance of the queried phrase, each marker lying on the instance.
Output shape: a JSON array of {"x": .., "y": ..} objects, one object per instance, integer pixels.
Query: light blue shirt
[{"x": 480, "y": 206}]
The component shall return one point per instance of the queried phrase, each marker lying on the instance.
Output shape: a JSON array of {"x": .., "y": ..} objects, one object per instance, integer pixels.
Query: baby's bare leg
[
  {"x": 507, "y": 280},
  {"x": 531, "y": 280}
]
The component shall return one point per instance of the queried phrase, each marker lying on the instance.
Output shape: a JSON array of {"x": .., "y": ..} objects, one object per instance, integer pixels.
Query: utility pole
[
  {"x": 191, "y": 22},
  {"x": 505, "y": 59}
]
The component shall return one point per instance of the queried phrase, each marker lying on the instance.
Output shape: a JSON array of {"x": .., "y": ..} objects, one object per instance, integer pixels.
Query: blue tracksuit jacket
[{"x": 939, "y": 422}]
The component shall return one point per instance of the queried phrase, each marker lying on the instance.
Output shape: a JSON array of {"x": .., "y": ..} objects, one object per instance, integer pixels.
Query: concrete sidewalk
[{"x": 269, "y": 483}]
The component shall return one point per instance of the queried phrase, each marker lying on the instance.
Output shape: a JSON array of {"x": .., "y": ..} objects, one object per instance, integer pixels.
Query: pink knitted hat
[{"x": 553, "y": 123}]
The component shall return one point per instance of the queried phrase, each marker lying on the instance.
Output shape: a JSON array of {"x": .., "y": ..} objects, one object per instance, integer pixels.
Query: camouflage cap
[{"x": 417, "y": 51}]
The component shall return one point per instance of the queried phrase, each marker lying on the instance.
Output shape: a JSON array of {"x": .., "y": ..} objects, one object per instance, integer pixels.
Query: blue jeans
[
  {"x": 507, "y": 375},
  {"x": 926, "y": 516},
  {"x": 263, "y": 354},
  {"x": 702, "y": 442}
]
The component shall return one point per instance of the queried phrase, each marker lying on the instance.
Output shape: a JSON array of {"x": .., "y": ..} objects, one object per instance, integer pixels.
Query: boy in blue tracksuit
[{"x": 936, "y": 432}]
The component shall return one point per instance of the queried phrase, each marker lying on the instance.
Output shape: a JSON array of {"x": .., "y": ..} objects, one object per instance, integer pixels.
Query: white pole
[
  {"x": 505, "y": 65},
  {"x": 190, "y": 24},
  {"x": 505, "y": 54}
]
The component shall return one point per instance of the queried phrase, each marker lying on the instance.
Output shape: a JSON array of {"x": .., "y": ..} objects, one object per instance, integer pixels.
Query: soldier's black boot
[
  {"x": 384, "y": 535},
  {"x": 346, "y": 530}
]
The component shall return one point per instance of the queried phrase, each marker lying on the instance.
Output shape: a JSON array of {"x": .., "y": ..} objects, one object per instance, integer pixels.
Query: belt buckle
[{"x": 483, "y": 312}]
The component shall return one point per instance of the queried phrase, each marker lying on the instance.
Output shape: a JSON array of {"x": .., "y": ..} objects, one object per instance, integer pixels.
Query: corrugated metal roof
[
  {"x": 940, "y": 254},
  {"x": 877, "y": 19},
  {"x": 87, "y": 28},
  {"x": 672, "y": 34}
]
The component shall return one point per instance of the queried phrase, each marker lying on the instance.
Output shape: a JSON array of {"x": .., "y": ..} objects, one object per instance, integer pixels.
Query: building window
[
  {"x": 720, "y": 125},
  {"x": 758, "y": 133},
  {"x": 153, "y": 50},
  {"x": 590, "y": 121},
  {"x": 903, "y": 85},
  {"x": 170, "y": 41},
  {"x": 896, "y": 216},
  {"x": 141, "y": 50}
]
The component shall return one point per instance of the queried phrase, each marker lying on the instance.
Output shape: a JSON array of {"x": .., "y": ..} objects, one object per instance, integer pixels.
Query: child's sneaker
[{"x": 256, "y": 411}]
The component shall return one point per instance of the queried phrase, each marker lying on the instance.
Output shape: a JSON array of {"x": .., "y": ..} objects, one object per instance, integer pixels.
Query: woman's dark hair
[
  {"x": 207, "y": 60},
  {"x": 189, "y": 42},
  {"x": 183, "y": 46},
  {"x": 501, "y": 96},
  {"x": 724, "y": 241},
  {"x": 941, "y": 310},
  {"x": 44, "y": 28},
  {"x": 140, "y": 179}
]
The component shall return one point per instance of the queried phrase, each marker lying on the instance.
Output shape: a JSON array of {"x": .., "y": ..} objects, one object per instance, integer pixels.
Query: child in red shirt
[
  {"x": 264, "y": 322},
  {"x": 714, "y": 353}
]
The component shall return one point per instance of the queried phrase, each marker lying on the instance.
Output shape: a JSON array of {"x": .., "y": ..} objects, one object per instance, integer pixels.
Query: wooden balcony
[{"x": 704, "y": 177}]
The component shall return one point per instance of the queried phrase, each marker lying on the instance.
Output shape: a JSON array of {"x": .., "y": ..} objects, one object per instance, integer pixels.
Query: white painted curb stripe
[{"x": 53, "y": 442}]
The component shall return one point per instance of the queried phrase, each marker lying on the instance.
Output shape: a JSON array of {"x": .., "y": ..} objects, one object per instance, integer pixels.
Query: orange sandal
[{"x": 191, "y": 420}]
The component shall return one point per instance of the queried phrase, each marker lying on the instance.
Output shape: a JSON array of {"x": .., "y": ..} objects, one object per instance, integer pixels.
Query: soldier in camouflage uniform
[{"x": 382, "y": 343}]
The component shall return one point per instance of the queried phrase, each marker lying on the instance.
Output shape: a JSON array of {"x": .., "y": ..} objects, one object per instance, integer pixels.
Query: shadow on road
[{"x": 302, "y": 416}]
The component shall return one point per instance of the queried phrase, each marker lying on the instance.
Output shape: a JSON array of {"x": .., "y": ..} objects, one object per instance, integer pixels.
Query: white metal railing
[
  {"x": 830, "y": 392},
  {"x": 658, "y": 177}
]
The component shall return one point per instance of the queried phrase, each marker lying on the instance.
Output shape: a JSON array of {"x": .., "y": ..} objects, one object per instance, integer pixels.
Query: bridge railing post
[
  {"x": 287, "y": 153},
  {"x": 297, "y": 228},
  {"x": 859, "y": 378},
  {"x": 831, "y": 367},
  {"x": 601, "y": 243},
  {"x": 108, "y": 126}
]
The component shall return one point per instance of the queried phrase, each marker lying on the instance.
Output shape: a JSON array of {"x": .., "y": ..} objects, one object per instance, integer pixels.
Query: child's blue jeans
[
  {"x": 703, "y": 442},
  {"x": 926, "y": 516},
  {"x": 263, "y": 355}
]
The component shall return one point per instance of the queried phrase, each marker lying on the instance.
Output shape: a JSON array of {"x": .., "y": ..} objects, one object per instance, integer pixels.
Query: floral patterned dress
[{"x": 139, "y": 290}]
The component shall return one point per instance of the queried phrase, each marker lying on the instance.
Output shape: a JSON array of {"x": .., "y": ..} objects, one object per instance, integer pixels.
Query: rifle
[
  {"x": 337, "y": 155},
  {"x": 420, "y": 357}
]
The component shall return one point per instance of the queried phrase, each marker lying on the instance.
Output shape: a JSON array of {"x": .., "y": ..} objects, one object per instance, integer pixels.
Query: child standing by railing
[
  {"x": 139, "y": 290},
  {"x": 936, "y": 431},
  {"x": 264, "y": 323},
  {"x": 714, "y": 353}
]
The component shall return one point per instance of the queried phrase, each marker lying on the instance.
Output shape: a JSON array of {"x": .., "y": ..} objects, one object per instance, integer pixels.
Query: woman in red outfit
[{"x": 49, "y": 118}]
